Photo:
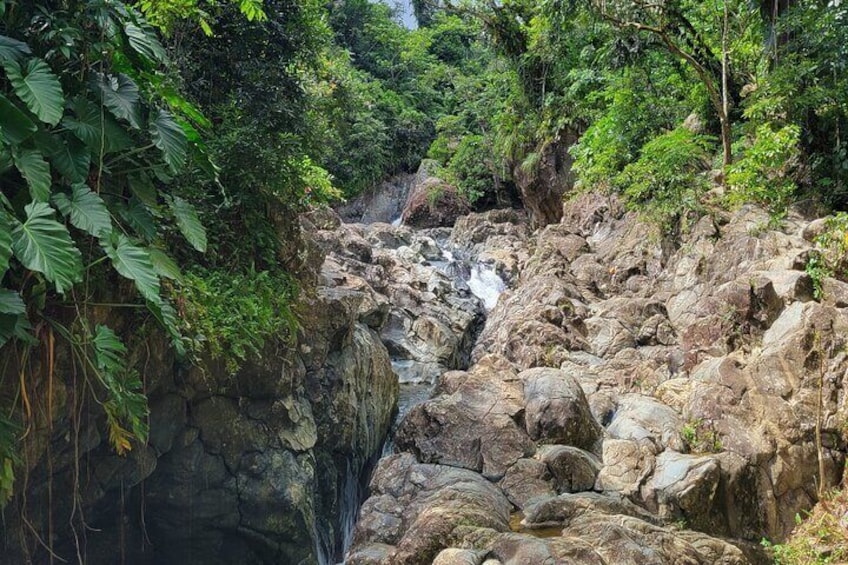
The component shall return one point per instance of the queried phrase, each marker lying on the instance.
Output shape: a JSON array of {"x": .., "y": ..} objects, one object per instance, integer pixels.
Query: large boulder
[{"x": 433, "y": 202}]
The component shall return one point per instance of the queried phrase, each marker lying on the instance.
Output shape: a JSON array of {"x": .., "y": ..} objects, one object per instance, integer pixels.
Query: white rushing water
[
  {"x": 397, "y": 221},
  {"x": 486, "y": 285}
]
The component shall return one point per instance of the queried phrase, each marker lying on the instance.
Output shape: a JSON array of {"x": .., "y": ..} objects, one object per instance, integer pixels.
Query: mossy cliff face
[{"x": 243, "y": 468}]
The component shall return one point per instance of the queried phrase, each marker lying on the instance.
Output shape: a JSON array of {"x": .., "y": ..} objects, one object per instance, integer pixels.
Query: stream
[{"x": 471, "y": 277}]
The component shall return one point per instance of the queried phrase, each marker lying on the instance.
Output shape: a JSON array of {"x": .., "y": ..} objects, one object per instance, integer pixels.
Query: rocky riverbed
[{"x": 629, "y": 399}]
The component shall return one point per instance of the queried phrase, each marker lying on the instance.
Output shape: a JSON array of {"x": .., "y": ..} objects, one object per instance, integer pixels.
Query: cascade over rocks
[{"x": 630, "y": 400}]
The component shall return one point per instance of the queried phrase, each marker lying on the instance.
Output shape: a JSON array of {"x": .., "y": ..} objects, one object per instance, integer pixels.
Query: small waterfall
[
  {"x": 397, "y": 221},
  {"x": 486, "y": 285},
  {"x": 349, "y": 508}
]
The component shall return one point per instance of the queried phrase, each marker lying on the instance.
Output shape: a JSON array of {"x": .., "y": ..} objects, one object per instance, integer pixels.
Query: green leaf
[
  {"x": 140, "y": 219},
  {"x": 44, "y": 245},
  {"x": 5, "y": 243},
  {"x": 167, "y": 318},
  {"x": 12, "y": 49},
  {"x": 109, "y": 351},
  {"x": 15, "y": 126},
  {"x": 133, "y": 262},
  {"x": 252, "y": 10},
  {"x": 170, "y": 138},
  {"x": 72, "y": 160},
  {"x": 39, "y": 89},
  {"x": 11, "y": 302},
  {"x": 86, "y": 210},
  {"x": 164, "y": 264},
  {"x": 36, "y": 171},
  {"x": 86, "y": 125},
  {"x": 144, "y": 41},
  {"x": 120, "y": 95},
  {"x": 15, "y": 326},
  {"x": 143, "y": 189},
  {"x": 189, "y": 223},
  {"x": 6, "y": 162}
]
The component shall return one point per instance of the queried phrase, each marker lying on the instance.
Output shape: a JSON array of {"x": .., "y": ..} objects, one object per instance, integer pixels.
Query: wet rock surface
[{"x": 629, "y": 400}]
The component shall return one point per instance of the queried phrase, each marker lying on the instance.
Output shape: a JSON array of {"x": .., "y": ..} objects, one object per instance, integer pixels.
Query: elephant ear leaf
[
  {"x": 5, "y": 243},
  {"x": 44, "y": 245},
  {"x": 169, "y": 137},
  {"x": 133, "y": 262},
  {"x": 38, "y": 87},
  {"x": 121, "y": 96},
  {"x": 85, "y": 209},
  {"x": 188, "y": 223},
  {"x": 36, "y": 171}
]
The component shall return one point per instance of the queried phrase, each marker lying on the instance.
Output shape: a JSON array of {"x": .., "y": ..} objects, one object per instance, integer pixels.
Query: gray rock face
[
  {"x": 637, "y": 400},
  {"x": 245, "y": 468}
]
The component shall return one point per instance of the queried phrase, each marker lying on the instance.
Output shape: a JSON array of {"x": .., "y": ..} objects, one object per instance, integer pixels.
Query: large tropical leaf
[
  {"x": 12, "y": 49},
  {"x": 133, "y": 262},
  {"x": 72, "y": 159},
  {"x": 11, "y": 302},
  {"x": 44, "y": 245},
  {"x": 170, "y": 138},
  {"x": 140, "y": 219},
  {"x": 143, "y": 40},
  {"x": 143, "y": 188},
  {"x": 167, "y": 317},
  {"x": 6, "y": 162},
  {"x": 15, "y": 326},
  {"x": 88, "y": 125},
  {"x": 164, "y": 264},
  {"x": 85, "y": 209},
  {"x": 36, "y": 171},
  {"x": 5, "y": 242},
  {"x": 15, "y": 126},
  {"x": 189, "y": 223},
  {"x": 109, "y": 351},
  {"x": 38, "y": 87},
  {"x": 120, "y": 95}
]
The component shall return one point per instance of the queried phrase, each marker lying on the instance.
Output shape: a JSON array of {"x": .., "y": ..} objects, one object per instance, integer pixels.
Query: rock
[
  {"x": 543, "y": 185},
  {"x": 557, "y": 410},
  {"x": 454, "y": 556},
  {"x": 431, "y": 501},
  {"x": 573, "y": 469},
  {"x": 473, "y": 427},
  {"x": 381, "y": 203},
  {"x": 526, "y": 481},
  {"x": 432, "y": 203}
]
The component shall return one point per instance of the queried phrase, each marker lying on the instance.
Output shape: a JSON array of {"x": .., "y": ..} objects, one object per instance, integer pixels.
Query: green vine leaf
[
  {"x": 85, "y": 209},
  {"x": 71, "y": 159},
  {"x": 170, "y": 138},
  {"x": 133, "y": 262},
  {"x": 44, "y": 245},
  {"x": 88, "y": 125},
  {"x": 5, "y": 243},
  {"x": 39, "y": 89},
  {"x": 120, "y": 95},
  {"x": 138, "y": 216},
  {"x": 188, "y": 223},
  {"x": 167, "y": 318},
  {"x": 16, "y": 326},
  {"x": 11, "y": 302},
  {"x": 144, "y": 41},
  {"x": 36, "y": 171},
  {"x": 164, "y": 264},
  {"x": 12, "y": 49},
  {"x": 109, "y": 351},
  {"x": 15, "y": 126}
]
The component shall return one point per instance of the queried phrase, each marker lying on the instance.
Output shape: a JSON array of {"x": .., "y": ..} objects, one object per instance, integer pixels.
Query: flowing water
[{"x": 479, "y": 279}]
